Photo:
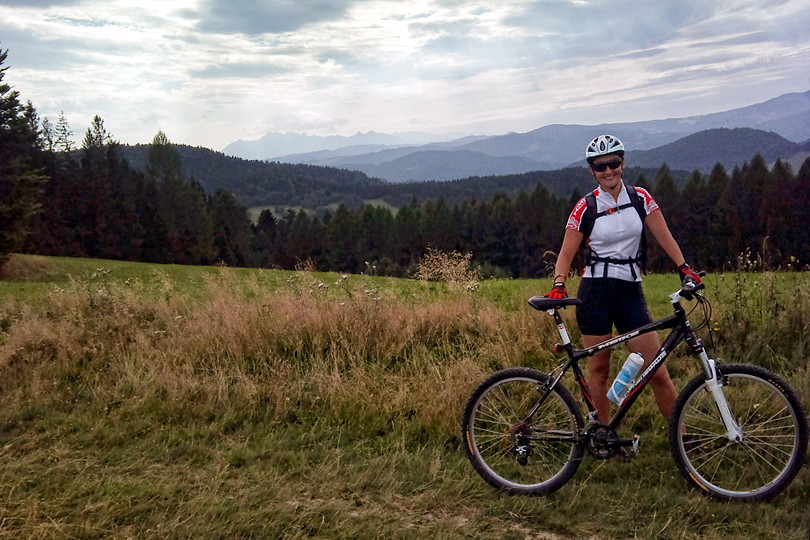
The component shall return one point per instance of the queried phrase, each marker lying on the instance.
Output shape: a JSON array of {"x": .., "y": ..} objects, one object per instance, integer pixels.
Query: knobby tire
[
  {"x": 533, "y": 457},
  {"x": 774, "y": 435}
]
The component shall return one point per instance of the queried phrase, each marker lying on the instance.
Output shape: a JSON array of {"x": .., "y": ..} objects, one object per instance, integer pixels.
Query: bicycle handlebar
[{"x": 689, "y": 286}]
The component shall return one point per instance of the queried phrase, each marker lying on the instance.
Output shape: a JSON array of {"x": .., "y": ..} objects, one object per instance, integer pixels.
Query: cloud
[
  {"x": 598, "y": 30},
  {"x": 648, "y": 53},
  {"x": 254, "y": 17},
  {"x": 212, "y": 71},
  {"x": 37, "y": 3},
  {"x": 251, "y": 70}
]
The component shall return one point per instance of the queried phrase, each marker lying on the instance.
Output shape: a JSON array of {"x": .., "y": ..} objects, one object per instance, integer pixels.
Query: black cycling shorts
[{"x": 607, "y": 302}]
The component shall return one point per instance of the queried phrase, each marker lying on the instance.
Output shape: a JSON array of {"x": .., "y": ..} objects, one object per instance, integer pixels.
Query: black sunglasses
[{"x": 602, "y": 167}]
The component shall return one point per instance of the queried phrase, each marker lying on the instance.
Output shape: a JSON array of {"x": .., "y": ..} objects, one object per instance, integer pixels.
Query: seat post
[{"x": 566, "y": 340}]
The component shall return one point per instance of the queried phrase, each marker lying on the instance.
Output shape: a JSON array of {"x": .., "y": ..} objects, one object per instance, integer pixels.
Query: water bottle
[{"x": 624, "y": 380}]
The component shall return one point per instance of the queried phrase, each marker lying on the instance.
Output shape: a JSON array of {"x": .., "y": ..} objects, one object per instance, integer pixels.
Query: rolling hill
[
  {"x": 549, "y": 147},
  {"x": 730, "y": 147},
  {"x": 444, "y": 165},
  {"x": 259, "y": 183}
]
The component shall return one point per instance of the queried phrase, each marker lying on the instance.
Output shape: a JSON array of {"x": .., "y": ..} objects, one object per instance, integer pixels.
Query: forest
[{"x": 56, "y": 199}]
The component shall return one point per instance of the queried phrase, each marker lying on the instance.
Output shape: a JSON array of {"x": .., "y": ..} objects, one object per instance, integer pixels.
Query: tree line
[
  {"x": 91, "y": 202},
  {"x": 755, "y": 216}
]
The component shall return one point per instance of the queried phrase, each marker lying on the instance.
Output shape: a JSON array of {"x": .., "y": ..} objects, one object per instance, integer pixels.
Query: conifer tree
[
  {"x": 716, "y": 245},
  {"x": 799, "y": 232},
  {"x": 667, "y": 196},
  {"x": 746, "y": 230},
  {"x": 266, "y": 239},
  {"x": 62, "y": 135},
  {"x": 775, "y": 213},
  {"x": 21, "y": 174},
  {"x": 182, "y": 207},
  {"x": 232, "y": 229},
  {"x": 94, "y": 197}
]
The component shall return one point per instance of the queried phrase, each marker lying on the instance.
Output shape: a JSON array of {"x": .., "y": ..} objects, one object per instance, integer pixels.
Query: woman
[{"x": 611, "y": 284}]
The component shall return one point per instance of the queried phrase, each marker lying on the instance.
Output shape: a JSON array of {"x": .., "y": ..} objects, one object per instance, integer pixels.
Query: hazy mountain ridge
[
  {"x": 556, "y": 146},
  {"x": 445, "y": 165},
  {"x": 259, "y": 183},
  {"x": 729, "y": 147},
  {"x": 273, "y": 144}
]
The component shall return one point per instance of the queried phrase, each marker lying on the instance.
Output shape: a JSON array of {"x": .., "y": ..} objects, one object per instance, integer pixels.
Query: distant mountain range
[
  {"x": 778, "y": 128},
  {"x": 276, "y": 144},
  {"x": 729, "y": 147},
  {"x": 261, "y": 184}
]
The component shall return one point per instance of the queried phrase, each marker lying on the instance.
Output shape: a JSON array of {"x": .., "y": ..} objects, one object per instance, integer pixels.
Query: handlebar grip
[{"x": 688, "y": 286}]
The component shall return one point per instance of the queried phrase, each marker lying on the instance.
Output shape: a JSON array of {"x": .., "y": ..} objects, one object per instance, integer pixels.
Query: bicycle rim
[
  {"x": 532, "y": 457},
  {"x": 774, "y": 437}
]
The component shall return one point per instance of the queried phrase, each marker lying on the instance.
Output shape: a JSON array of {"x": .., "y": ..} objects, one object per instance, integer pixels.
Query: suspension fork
[{"x": 733, "y": 431}]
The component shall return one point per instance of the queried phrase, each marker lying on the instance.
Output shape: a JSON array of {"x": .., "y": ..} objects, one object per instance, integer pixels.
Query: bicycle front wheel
[
  {"x": 774, "y": 435},
  {"x": 513, "y": 444}
]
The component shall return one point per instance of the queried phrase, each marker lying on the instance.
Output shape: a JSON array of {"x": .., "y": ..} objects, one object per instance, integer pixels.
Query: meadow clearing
[{"x": 147, "y": 401}]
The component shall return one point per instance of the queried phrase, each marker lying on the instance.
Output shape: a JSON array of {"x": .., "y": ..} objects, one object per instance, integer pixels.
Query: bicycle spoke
[
  {"x": 512, "y": 450},
  {"x": 768, "y": 455}
]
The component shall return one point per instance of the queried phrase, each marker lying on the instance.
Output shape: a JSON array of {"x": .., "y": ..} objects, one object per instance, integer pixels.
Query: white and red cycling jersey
[{"x": 615, "y": 235}]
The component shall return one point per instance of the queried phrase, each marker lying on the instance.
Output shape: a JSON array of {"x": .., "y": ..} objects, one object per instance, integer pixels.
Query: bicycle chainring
[{"x": 601, "y": 441}]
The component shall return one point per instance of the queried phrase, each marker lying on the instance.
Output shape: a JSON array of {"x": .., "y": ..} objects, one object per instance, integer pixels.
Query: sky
[{"x": 210, "y": 72}]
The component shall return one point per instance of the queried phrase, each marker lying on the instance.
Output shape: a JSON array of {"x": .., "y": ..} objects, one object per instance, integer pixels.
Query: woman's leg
[
  {"x": 598, "y": 373},
  {"x": 647, "y": 345}
]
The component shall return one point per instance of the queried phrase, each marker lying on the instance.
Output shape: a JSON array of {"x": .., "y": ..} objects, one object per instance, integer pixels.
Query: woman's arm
[
  {"x": 658, "y": 227},
  {"x": 568, "y": 251}
]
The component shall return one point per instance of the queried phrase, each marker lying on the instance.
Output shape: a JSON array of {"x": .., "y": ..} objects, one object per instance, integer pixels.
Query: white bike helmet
[{"x": 602, "y": 146}]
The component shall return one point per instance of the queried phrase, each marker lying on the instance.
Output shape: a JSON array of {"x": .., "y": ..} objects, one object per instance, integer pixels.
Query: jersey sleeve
[
  {"x": 575, "y": 219},
  {"x": 650, "y": 205}
]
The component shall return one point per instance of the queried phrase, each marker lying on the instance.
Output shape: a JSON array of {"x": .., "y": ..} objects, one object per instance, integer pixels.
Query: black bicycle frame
[{"x": 681, "y": 330}]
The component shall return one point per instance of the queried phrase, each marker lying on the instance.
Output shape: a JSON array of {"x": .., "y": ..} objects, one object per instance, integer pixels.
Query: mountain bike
[{"x": 737, "y": 432}]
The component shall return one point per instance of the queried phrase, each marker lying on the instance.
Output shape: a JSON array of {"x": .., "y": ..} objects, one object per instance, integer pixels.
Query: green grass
[{"x": 144, "y": 401}]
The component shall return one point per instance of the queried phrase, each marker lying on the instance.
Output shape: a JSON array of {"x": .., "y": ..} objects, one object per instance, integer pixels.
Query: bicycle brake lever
[{"x": 690, "y": 287}]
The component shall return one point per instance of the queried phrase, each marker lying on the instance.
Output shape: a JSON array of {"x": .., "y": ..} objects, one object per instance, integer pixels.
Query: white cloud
[
  {"x": 209, "y": 72},
  {"x": 257, "y": 17}
]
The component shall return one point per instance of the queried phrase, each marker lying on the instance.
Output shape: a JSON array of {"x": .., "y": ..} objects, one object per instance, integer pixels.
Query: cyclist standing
[{"x": 611, "y": 283}]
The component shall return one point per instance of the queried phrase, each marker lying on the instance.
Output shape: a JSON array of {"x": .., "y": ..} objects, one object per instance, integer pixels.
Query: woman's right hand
[{"x": 557, "y": 292}]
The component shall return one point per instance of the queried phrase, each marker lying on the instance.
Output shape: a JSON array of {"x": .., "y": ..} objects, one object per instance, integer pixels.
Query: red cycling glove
[
  {"x": 557, "y": 292},
  {"x": 687, "y": 272}
]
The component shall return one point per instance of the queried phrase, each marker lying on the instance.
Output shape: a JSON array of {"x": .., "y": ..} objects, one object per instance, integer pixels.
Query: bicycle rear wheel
[
  {"x": 774, "y": 435},
  {"x": 527, "y": 455}
]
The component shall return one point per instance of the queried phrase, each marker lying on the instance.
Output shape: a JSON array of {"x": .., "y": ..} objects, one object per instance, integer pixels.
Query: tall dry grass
[
  {"x": 343, "y": 350},
  {"x": 326, "y": 406},
  {"x": 300, "y": 352}
]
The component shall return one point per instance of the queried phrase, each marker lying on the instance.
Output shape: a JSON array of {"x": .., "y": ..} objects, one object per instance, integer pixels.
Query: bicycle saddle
[{"x": 544, "y": 304}]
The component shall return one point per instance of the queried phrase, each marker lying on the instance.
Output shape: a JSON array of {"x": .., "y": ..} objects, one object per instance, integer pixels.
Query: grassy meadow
[{"x": 146, "y": 401}]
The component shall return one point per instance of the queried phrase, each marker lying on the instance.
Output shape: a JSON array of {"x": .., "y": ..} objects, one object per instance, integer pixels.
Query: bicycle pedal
[{"x": 636, "y": 443}]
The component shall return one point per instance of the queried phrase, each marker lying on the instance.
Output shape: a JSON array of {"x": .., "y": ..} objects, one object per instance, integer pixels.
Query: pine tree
[
  {"x": 94, "y": 191},
  {"x": 799, "y": 232},
  {"x": 21, "y": 174},
  {"x": 62, "y": 133},
  {"x": 341, "y": 239},
  {"x": 500, "y": 234},
  {"x": 742, "y": 205},
  {"x": 409, "y": 235},
  {"x": 667, "y": 196},
  {"x": 55, "y": 229},
  {"x": 696, "y": 215},
  {"x": 232, "y": 229},
  {"x": 46, "y": 135},
  {"x": 266, "y": 240},
  {"x": 182, "y": 207},
  {"x": 775, "y": 213},
  {"x": 716, "y": 244}
]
